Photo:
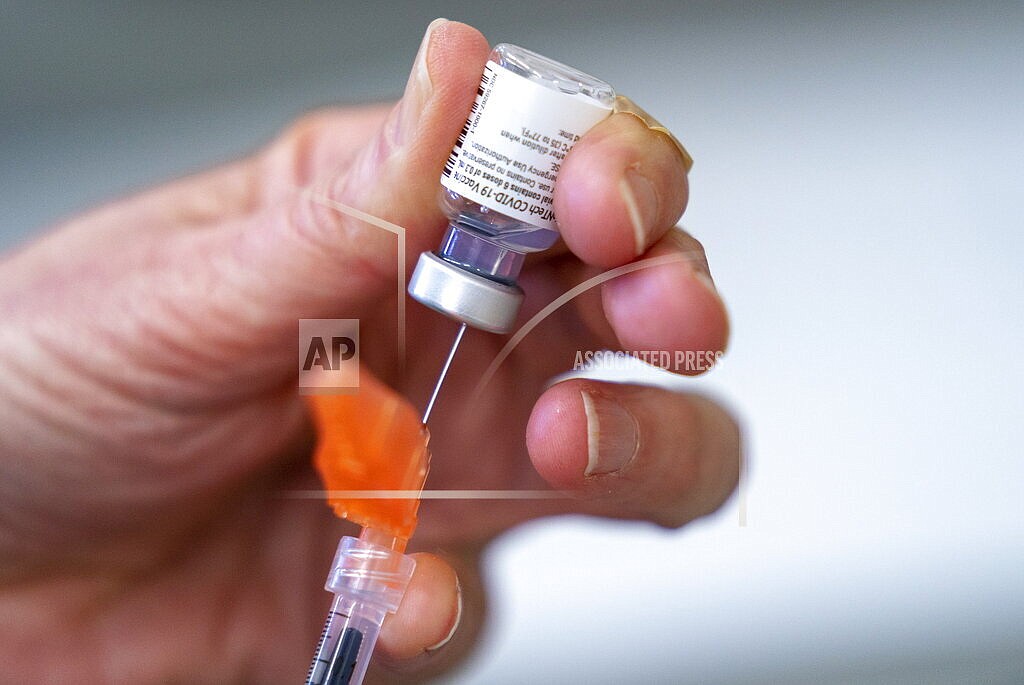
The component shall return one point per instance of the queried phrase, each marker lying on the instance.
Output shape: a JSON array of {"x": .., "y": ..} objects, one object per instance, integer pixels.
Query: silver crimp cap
[{"x": 465, "y": 296}]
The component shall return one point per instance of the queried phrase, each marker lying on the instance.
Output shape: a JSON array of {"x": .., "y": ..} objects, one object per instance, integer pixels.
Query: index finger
[{"x": 620, "y": 189}]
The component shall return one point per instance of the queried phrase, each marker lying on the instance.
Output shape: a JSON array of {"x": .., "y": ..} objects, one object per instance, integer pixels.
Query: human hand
[{"x": 149, "y": 418}]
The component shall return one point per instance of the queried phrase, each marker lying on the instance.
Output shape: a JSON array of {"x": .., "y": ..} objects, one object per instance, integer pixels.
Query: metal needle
[{"x": 444, "y": 372}]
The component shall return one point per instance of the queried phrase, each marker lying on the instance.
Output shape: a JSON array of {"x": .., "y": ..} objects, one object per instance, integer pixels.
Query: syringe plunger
[{"x": 369, "y": 581}]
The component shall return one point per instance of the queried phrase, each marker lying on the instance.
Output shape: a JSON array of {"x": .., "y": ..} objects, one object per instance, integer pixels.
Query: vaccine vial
[{"x": 497, "y": 187}]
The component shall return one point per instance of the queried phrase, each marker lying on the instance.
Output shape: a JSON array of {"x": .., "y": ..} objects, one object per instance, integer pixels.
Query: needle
[{"x": 444, "y": 372}]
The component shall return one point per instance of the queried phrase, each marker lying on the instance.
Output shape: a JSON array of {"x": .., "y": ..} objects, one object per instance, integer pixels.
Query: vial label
[{"x": 512, "y": 146}]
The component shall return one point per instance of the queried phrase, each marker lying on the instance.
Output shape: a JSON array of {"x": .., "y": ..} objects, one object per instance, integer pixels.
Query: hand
[{"x": 149, "y": 419}]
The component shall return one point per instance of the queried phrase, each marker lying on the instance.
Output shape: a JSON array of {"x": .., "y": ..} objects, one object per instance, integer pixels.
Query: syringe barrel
[
  {"x": 346, "y": 644},
  {"x": 369, "y": 581}
]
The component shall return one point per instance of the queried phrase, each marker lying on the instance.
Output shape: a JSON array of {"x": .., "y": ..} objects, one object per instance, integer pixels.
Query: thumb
[{"x": 316, "y": 259}]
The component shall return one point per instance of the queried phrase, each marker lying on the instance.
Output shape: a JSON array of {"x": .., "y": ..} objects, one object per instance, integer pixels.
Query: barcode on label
[{"x": 485, "y": 82}]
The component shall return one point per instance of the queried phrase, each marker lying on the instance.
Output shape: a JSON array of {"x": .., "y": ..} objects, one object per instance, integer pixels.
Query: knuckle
[
  {"x": 291, "y": 157},
  {"x": 308, "y": 124}
]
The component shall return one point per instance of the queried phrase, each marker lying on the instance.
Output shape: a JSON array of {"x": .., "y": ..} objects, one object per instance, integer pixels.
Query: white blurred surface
[{"x": 858, "y": 186}]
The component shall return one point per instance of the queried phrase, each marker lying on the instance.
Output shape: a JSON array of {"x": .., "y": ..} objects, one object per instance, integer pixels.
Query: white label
[{"x": 510, "y": 150}]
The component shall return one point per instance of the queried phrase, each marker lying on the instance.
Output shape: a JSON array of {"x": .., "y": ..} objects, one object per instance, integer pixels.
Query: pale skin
[{"x": 149, "y": 419}]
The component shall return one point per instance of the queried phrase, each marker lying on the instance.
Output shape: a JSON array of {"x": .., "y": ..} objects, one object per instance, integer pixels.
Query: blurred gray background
[{"x": 858, "y": 185}]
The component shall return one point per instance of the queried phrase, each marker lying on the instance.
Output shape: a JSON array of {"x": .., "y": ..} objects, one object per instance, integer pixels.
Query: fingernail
[
  {"x": 642, "y": 206},
  {"x": 417, "y": 90},
  {"x": 455, "y": 624},
  {"x": 613, "y": 437}
]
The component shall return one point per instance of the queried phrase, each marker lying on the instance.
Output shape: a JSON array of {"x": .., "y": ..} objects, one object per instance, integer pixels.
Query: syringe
[
  {"x": 368, "y": 578},
  {"x": 370, "y": 442}
]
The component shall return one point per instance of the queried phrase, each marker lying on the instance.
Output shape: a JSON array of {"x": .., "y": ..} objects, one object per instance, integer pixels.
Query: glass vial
[{"x": 498, "y": 183}]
